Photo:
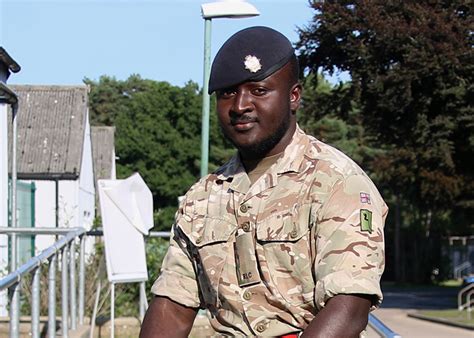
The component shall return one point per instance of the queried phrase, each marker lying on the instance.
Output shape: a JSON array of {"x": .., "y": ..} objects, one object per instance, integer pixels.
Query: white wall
[
  {"x": 86, "y": 210},
  {"x": 69, "y": 207},
  {"x": 3, "y": 201},
  {"x": 45, "y": 208},
  {"x": 3, "y": 165},
  {"x": 113, "y": 175}
]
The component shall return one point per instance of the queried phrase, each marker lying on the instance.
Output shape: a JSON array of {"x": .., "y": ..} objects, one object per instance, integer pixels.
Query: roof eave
[
  {"x": 7, "y": 95},
  {"x": 48, "y": 176}
]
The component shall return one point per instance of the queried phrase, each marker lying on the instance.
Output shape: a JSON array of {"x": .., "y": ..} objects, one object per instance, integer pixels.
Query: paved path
[
  {"x": 398, "y": 321},
  {"x": 399, "y": 302}
]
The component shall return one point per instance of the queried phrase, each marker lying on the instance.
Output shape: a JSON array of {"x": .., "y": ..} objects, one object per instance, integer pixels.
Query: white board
[{"x": 127, "y": 214}]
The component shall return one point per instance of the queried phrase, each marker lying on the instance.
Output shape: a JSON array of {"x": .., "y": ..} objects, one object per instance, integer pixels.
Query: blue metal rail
[{"x": 383, "y": 330}]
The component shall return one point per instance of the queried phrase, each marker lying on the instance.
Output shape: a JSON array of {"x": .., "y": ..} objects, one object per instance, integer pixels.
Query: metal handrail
[
  {"x": 461, "y": 293},
  {"x": 36, "y": 231},
  {"x": 383, "y": 330},
  {"x": 66, "y": 247},
  {"x": 34, "y": 262},
  {"x": 458, "y": 269},
  {"x": 100, "y": 232}
]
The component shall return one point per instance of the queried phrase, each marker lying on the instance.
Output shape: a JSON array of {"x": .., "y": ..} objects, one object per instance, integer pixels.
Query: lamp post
[{"x": 218, "y": 9}]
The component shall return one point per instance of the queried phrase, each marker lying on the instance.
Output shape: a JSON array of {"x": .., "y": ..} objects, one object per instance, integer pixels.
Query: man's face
[{"x": 258, "y": 117}]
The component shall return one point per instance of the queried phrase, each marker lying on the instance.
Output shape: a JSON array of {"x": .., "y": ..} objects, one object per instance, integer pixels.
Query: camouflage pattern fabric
[{"x": 317, "y": 221}]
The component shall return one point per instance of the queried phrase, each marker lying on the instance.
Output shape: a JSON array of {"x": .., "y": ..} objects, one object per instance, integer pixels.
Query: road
[{"x": 399, "y": 302}]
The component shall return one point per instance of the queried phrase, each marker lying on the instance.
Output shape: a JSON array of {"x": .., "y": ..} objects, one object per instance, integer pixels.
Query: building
[{"x": 55, "y": 152}]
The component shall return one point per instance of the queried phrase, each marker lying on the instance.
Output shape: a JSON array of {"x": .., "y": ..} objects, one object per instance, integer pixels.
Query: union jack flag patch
[{"x": 364, "y": 198}]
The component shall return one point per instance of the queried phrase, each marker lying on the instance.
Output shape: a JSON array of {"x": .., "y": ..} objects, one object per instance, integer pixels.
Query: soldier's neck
[{"x": 256, "y": 168}]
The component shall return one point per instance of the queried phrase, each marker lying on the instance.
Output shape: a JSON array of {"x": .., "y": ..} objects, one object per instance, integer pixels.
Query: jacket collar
[{"x": 291, "y": 161}]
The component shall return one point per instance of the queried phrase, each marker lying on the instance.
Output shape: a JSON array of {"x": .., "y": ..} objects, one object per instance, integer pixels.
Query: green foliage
[
  {"x": 412, "y": 77},
  {"x": 325, "y": 115},
  {"x": 407, "y": 113},
  {"x": 155, "y": 252},
  {"x": 158, "y": 134}
]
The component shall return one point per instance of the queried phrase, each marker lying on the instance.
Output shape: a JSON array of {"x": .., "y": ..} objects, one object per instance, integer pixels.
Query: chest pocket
[
  {"x": 209, "y": 246},
  {"x": 286, "y": 243}
]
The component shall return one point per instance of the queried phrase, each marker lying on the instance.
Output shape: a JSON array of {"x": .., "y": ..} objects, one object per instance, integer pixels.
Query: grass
[
  {"x": 453, "y": 315},
  {"x": 451, "y": 283},
  {"x": 460, "y": 317}
]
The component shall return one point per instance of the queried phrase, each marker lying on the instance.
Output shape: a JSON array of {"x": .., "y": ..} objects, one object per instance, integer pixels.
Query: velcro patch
[
  {"x": 366, "y": 220},
  {"x": 364, "y": 198}
]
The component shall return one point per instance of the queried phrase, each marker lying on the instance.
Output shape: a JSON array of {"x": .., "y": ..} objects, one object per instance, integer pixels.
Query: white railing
[
  {"x": 460, "y": 268},
  {"x": 65, "y": 250},
  {"x": 465, "y": 294}
]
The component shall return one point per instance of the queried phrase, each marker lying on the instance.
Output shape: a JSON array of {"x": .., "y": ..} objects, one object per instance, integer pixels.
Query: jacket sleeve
[
  {"x": 350, "y": 241},
  {"x": 177, "y": 279}
]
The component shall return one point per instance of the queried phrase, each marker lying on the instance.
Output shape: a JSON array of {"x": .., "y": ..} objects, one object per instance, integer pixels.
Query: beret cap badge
[{"x": 252, "y": 63}]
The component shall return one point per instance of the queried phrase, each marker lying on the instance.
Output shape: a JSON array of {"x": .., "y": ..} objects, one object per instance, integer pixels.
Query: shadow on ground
[{"x": 420, "y": 297}]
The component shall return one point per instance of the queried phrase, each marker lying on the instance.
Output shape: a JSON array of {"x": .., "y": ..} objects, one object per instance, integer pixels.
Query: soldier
[{"x": 284, "y": 239}]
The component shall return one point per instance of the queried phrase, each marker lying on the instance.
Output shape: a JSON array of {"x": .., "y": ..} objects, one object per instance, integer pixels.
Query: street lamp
[{"x": 219, "y": 9}]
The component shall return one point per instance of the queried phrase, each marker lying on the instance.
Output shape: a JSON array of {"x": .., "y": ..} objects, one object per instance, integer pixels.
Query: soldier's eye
[
  {"x": 259, "y": 91},
  {"x": 226, "y": 93}
]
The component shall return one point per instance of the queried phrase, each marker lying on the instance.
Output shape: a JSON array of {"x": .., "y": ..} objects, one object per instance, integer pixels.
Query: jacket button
[
  {"x": 247, "y": 295},
  {"x": 243, "y": 208},
  {"x": 261, "y": 327},
  {"x": 246, "y": 226},
  {"x": 294, "y": 233}
]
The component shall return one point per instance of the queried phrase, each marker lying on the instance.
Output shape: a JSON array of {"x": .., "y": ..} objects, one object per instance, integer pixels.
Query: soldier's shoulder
[
  {"x": 332, "y": 160},
  {"x": 205, "y": 182}
]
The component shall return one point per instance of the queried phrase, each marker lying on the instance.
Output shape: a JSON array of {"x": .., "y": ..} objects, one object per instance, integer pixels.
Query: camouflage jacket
[{"x": 316, "y": 221}]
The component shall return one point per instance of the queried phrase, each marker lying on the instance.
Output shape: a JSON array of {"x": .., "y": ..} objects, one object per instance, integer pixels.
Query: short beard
[{"x": 262, "y": 148}]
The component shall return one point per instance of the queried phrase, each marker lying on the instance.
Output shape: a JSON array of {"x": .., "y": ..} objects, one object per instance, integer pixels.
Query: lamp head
[{"x": 228, "y": 9}]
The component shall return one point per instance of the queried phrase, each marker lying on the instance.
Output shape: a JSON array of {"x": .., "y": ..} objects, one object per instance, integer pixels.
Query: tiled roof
[
  {"x": 50, "y": 128},
  {"x": 103, "y": 151}
]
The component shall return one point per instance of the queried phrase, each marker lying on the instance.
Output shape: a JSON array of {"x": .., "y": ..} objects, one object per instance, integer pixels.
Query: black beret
[{"x": 251, "y": 54}]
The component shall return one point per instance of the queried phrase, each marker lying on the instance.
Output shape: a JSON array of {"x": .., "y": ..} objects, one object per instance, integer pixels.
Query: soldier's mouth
[{"x": 243, "y": 123}]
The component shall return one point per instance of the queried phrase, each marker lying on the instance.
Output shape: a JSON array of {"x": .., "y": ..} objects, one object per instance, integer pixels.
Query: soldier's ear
[{"x": 295, "y": 97}]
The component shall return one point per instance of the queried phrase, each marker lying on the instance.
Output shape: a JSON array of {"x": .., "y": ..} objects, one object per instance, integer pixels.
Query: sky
[{"x": 64, "y": 41}]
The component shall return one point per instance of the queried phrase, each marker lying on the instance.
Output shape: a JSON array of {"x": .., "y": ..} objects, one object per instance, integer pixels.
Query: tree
[
  {"x": 326, "y": 115},
  {"x": 158, "y": 134},
  {"x": 411, "y": 68}
]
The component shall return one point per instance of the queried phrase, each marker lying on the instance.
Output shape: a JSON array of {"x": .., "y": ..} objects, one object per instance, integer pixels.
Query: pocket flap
[
  {"x": 205, "y": 231},
  {"x": 281, "y": 228}
]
